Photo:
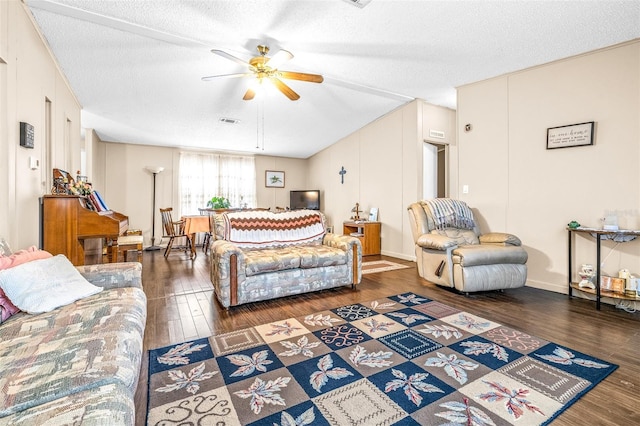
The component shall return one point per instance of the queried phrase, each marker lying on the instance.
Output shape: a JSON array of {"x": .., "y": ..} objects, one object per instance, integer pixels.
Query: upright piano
[{"x": 67, "y": 222}]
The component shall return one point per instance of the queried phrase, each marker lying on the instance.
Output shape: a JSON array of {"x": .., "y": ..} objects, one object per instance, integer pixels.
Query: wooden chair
[{"x": 172, "y": 230}]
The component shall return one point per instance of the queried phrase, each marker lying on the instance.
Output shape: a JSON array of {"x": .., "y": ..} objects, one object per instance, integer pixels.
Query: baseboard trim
[
  {"x": 398, "y": 255},
  {"x": 547, "y": 286}
]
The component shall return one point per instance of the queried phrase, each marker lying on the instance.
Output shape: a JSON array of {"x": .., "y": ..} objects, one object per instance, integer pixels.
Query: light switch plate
[{"x": 34, "y": 163}]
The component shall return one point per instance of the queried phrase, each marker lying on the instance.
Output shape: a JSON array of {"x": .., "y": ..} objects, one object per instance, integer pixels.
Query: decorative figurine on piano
[
  {"x": 62, "y": 181},
  {"x": 59, "y": 186}
]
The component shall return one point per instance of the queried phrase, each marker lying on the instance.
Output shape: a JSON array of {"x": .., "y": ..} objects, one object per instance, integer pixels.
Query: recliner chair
[{"x": 451, "y": 252}]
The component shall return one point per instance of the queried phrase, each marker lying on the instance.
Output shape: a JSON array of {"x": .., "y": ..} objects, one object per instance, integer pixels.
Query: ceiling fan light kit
[{"x": 264, "y": 68}]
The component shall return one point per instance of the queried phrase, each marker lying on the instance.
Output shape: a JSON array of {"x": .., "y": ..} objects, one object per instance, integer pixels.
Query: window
[{"x": 203, "y": 176}]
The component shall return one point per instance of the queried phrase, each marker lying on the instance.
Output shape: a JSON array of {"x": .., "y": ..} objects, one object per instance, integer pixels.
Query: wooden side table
[{"x": 367, "y": 232}]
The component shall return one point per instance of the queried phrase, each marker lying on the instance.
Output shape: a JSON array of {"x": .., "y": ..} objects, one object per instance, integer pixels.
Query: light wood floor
[{"x": 181, "y": 306}]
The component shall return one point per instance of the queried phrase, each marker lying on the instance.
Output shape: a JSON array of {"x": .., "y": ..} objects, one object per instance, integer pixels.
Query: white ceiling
[{"x": 136, "y": 66}]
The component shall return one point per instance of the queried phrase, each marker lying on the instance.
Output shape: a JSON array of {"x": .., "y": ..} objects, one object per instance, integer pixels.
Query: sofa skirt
[{"x": 286, "y": 283}]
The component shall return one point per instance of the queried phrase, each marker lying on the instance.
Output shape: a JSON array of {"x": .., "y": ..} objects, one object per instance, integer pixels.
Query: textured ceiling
[{"x": 136, "y": 66}]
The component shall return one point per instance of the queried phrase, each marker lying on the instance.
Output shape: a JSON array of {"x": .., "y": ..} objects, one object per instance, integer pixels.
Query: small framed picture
[
  {"x": 373, "y": 214},
  {"x": 274, "y": 179}
]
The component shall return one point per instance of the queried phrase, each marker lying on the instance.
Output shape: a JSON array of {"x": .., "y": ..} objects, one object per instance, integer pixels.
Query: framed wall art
[
  {"x": 569, "y": 136},
  {"x": 274, "y": 179}
]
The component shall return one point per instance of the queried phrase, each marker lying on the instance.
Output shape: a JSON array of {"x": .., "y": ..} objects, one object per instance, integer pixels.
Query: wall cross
[{"x": 342, "y": 172}]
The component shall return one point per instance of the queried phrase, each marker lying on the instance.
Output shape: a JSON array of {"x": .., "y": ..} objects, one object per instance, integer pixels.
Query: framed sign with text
[{"x": 569, "y": 136}]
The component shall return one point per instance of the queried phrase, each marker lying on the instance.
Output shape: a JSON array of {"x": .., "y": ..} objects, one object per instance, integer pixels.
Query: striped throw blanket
[
  {"x": 263, "y": 229},
  {"x": 449, "y": 213}
]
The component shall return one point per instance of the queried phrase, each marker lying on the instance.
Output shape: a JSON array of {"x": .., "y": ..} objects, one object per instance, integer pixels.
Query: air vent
[
  {"x": 436, "y": 134},
  {"x": 359, "y": 3},
  {"x": 229, "y": 120}
]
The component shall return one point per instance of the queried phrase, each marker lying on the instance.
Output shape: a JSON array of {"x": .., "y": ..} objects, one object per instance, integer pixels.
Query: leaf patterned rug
[{"x": 400, "y": 360}]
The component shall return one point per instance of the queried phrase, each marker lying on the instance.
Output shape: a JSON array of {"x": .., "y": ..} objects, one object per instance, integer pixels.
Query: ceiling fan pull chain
[
  {"x": 257, "y": 125},
  {"x": 262, "y": 105}
]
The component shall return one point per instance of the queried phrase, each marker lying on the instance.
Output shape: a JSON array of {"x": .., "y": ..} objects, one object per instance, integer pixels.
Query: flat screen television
[{"x": 309, "y": 199}]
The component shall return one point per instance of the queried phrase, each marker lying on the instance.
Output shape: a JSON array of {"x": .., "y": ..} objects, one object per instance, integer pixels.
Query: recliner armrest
[
  {"x": 435, "y": 242},
  {"x": 500, "y": 238}
]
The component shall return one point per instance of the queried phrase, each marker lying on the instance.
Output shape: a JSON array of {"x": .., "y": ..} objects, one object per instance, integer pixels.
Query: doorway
[{"x": 434, "y": 170}]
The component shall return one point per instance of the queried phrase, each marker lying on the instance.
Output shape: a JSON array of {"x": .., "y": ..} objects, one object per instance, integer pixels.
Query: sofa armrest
[
  {"x": 436, "y": 242},
  {"x": 227, "y": 271},
  {"x": 113, "y": 275},
  {"x": 500, "y": 238},
  {"x": 344, "y": 242},
  {"x": 353, "y": 247}
]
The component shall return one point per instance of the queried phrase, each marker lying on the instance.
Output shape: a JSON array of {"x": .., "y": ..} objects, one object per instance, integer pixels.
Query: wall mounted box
[{"x": 26, "y": 135}]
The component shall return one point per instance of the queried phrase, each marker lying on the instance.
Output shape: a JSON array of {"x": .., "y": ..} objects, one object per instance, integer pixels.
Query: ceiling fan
[{"x": 265, "y": 68}]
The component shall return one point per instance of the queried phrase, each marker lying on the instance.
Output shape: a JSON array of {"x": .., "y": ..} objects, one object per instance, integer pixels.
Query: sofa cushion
[
  {"x": 22, "y": 256},
  {"x": 270, "y": 260},
  {"x": 43, "y": 285},
  {"x": 110, "y": 404},
  {"x": 7, "y": 309},
  {"x": 320, "y": 256},
  {"x": 265, "y": 229},
  {"x": 89, "y": 343},
  {"x": 460, "y": 236}
]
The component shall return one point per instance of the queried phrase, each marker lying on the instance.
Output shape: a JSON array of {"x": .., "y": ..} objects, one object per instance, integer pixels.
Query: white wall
[
  {"x": 519, "y": 186},
  {"x": 120, "y": 176},
  {"x": 28, "y": 77},
  {"x": 295, "y": 177},
  {"x": 383, "y": 161}
]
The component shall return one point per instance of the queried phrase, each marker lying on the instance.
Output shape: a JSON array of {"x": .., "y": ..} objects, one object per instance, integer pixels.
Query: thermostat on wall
[{"x": 26, "y": 135}]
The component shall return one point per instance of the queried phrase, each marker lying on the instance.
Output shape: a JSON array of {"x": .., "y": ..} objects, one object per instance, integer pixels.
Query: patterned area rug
[
  {"x": 380, "y": 266},
  {"x": 401, "y": 360}
]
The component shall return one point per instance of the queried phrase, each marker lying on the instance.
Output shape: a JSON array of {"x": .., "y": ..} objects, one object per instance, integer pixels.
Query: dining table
[{"x": 192, "y": 225}]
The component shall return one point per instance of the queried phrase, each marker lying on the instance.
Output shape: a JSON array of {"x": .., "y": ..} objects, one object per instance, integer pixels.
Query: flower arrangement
[
  {"x": 80, "y": 188},
  {"x": 218, "y": 203}
]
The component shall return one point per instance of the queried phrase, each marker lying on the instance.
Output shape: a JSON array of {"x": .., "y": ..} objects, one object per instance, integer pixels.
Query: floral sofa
[
  {"x": 78, "y": 363},
  {"x": 260, "y": 255}
]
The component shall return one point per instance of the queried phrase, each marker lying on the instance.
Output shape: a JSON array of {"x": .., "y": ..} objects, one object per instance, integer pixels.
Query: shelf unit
[
  {"x": 367, "y": 232},
  {"x": 599, "y": 234}
]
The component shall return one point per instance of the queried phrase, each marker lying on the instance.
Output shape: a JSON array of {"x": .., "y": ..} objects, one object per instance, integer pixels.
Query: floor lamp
[{"x": 155, "y": 170}]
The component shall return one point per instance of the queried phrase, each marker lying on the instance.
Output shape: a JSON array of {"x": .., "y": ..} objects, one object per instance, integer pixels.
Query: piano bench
[{"x": 126, "y": 243}]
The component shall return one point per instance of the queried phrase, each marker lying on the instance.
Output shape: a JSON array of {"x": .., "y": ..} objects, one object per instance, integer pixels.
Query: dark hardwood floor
[{"x": 181, "y": 306}]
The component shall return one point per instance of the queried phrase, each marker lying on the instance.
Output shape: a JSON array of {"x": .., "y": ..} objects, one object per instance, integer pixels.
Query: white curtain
[{"x": 203, "y": 176}]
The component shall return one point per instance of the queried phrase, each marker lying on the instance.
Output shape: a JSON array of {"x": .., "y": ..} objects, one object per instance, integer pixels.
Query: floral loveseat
[
  {"x": 260, "y": 255},
  {"x": 78, "y": 363}
]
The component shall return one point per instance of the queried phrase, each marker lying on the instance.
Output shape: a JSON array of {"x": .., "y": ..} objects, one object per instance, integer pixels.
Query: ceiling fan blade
[
  {"x": 288, "y": 92},
  {"x": 213, "y": 77},
  {"x": 312, "y": 78},
  {"x": 250, "y": 94},
  {"x": 279, "y": 58},
  {"x": 229, "y": 56}
]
